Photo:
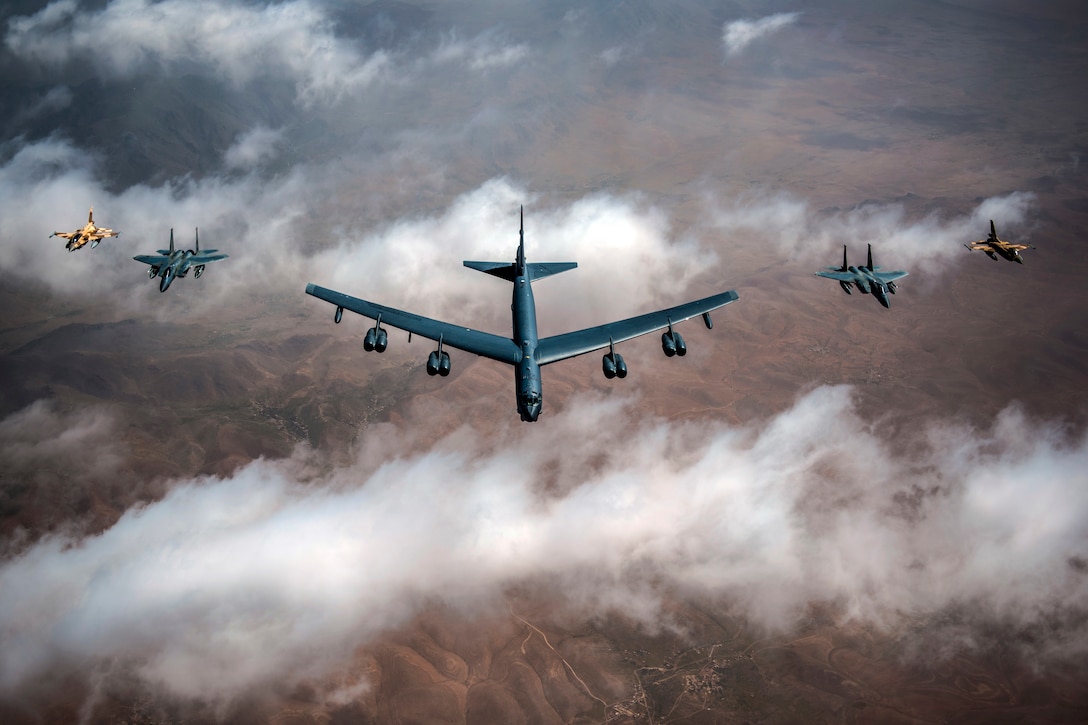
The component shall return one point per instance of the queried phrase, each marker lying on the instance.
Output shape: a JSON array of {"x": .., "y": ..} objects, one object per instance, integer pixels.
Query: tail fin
[
  {"x": 90, "y": 216},
  {"x": 870, "y": 265},
  {"x": 171, "y": 240},
  {"x": 993, "y": 230},
  {"x": 198, "y": 240},
  {"x": 521, "y": 244},
  {"x": 845, "y": 267}
]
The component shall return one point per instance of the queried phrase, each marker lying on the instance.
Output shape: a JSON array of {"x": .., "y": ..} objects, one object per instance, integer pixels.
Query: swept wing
[
  {"x": 889, "y": 276},
  {"x": 484, "y": 344},
  {"x": 570, "y": 344},
  {"x": 834, "y": 273}
]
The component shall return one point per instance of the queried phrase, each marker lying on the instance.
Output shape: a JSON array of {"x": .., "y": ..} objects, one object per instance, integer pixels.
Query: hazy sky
[{"x": 672, "y": 150}]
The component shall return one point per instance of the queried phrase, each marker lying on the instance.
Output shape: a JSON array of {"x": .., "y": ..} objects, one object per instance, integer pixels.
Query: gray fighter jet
[
  {"x": 173, "y": 263},
  {"x": 867, "y": 279},
  {"x": 524, "y": 350}
]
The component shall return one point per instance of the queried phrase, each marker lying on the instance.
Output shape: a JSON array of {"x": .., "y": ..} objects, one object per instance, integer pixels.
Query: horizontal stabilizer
[
  {"x": 534, "y": 270},
  {"x": 503, "y": 270}
]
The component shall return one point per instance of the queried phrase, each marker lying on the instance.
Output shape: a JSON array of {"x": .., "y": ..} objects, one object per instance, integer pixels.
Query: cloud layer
[
  {"x": 739, "y": 34},
  {"x": 278, "y": 574}
]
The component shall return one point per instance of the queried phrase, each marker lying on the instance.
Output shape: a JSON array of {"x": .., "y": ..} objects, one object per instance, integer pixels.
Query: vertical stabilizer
[
  {"x": 870, "y": 256},
  {"x": 993, "y": 230},
  {"x": 844, "y": 266},
  {"x": 90, "y": 216},
  {"x": 171, "y": 240},
  {"x": 521, "y": 245},
  {"x": 198, "y": 240}
]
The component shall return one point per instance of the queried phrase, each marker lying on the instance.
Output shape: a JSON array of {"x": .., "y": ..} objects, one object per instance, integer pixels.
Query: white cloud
[
  {"x": 229, "y": 584},
  {"x": 739, "y": 34},
  {"x": 482, "y": 53},
  {"x": 240, "y": 42},
  {"x": 253, "y": 148}
]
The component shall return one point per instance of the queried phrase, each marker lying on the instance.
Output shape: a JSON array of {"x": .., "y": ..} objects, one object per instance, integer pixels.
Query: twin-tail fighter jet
[
  {"x": 994, "y": 246},
  {"x": 173, "y": 263},
  {"x": 89, "y": 233},
  {"x": 524, "y": 349},
  {"x": 867, "y": 279}
]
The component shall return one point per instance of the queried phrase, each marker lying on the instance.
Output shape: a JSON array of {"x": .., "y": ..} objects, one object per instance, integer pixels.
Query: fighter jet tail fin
[
  {"x": 90, "y": 216},
  {"x": 870, "y": 260},
  {"x": 844, "y": 265},
  {"x": 993, "y": 230},
  {"x": 171, "y": 240}
]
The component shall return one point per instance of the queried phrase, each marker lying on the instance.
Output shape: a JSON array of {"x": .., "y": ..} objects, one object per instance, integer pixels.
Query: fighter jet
[
  {"x": 172, "y": 263},
  {"x": 89, "y": 233},
  {"x": 994, "y": 246},
  {"x": 524, "y": 349},
  {"x": 867, "y": 279}
]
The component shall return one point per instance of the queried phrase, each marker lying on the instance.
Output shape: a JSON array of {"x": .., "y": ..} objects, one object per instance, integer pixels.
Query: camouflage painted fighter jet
[
  {"x": 173, "y": 263},
  {"x": 867, "y": 279},
  {"x": 89, "y": 233},
  {"x": 994, "y": 246}
]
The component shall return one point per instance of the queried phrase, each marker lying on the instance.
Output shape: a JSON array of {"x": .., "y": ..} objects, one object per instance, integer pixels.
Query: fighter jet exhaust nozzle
[{"x": 845, "y": 287}]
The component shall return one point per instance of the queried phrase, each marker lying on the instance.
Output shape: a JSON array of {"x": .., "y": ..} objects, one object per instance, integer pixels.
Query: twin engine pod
[
  {"x": 673, "y": 344},
  {"x": 613, "y": 366},
  {"x": 438, "y": 363},
  {"x": 376, "y": 339}
]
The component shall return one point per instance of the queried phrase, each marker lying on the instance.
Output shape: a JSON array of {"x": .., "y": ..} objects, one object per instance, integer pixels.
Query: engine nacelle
[
  {"x": 845, "y": 287},
  {"x": 370, "y": 340},
  {"x": 198, "y": 270},
  {"x": 339, "y": 315},
  {"x": 621, "y": 367},
  {"x": 892, "y": 288},
  {"x": 438, "y": 365},
  {"x": 608, "y": 366},
  {"x": 381, "y": 341},
  {"x": 673, "y": 344}
]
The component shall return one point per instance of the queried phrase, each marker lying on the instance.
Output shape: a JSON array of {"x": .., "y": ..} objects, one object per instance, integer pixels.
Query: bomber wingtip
[{"x": 310, "y": 288}]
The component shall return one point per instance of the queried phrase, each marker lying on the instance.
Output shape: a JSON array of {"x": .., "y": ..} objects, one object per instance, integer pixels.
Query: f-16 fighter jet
[
  {"x": 993, "y": 246},
  {"x": 524, "y": 349},
  {"x": 867, "y": 279},
  {"x": 172, "y": 263},
  {"x": 89, "y": 233}
]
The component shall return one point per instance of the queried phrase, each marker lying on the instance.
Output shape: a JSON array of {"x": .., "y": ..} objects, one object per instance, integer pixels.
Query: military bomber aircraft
[{"x": 524, "y": 349}]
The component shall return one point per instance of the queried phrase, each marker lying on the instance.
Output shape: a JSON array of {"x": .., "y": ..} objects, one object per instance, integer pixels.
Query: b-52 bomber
[
  {"x": 994, "y": 246},
  {"x": 173, "y": 263},
  {"x": 867, "y": 279},
  {"x": 88, "y": 233},
  {"x": 524, "y": 349}
]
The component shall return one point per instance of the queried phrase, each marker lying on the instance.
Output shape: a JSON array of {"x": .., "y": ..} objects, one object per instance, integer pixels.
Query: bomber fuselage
[{"x": 527, "y": 371}]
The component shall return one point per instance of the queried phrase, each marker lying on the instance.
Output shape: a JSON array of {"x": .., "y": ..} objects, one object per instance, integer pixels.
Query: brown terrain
[{"x": 891, "y": 121}]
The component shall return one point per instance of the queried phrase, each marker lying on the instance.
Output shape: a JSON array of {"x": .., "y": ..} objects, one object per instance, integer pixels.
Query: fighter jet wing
[
  {"x": 205, "y": 258},
  {"x": 570, "y": 344},
  {"x": 841, "y": 276},
  {"x": 484, "y": 344},
  {"x": 890, "y": 276},
  {"x": 151, "y": 259}
]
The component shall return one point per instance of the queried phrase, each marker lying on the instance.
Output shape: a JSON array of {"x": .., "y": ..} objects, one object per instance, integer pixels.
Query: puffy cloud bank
[{"x": 278, "y": 573}]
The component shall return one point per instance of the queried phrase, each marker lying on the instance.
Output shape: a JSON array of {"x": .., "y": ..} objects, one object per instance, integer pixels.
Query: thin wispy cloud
[{"x": 739, "y": 34}]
